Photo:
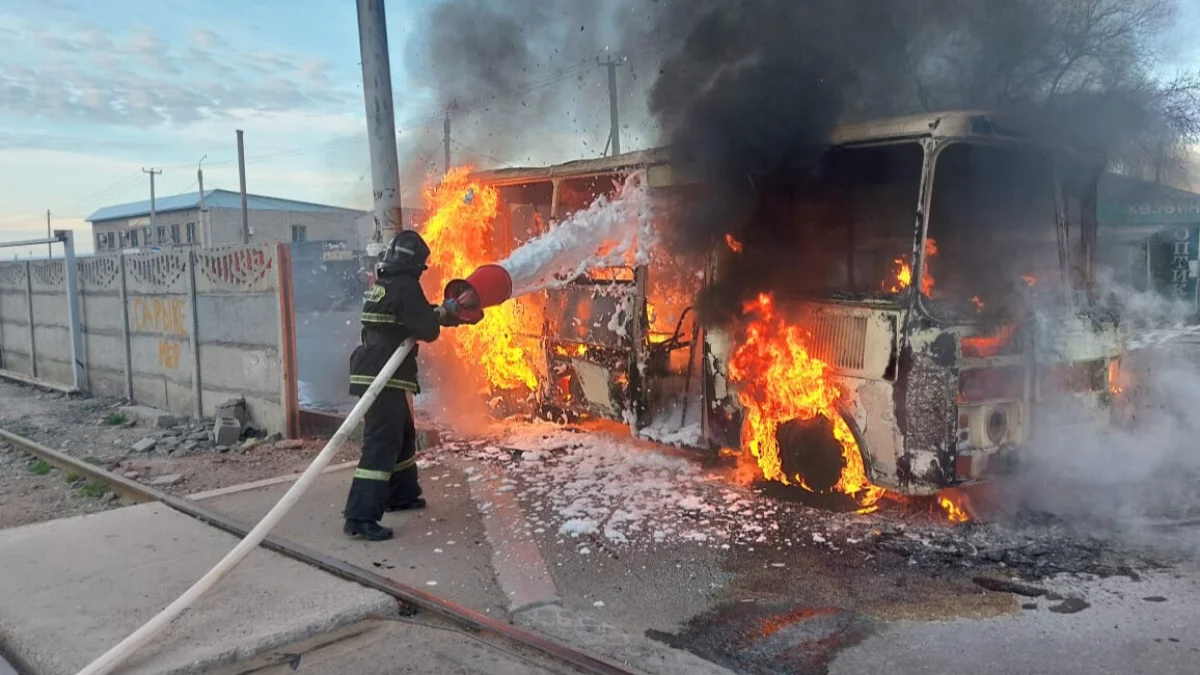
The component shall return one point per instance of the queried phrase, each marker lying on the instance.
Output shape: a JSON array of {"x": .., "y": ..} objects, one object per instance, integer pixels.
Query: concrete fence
[{"x": 179, "y": 330}]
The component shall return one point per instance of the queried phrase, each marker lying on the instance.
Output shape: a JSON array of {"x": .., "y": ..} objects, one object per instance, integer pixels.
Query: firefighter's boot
[{"x": 369, "y": 530}]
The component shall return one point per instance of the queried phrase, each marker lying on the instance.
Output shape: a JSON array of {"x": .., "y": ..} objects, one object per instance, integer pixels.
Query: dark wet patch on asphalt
[{"x": 771, "y": 638}]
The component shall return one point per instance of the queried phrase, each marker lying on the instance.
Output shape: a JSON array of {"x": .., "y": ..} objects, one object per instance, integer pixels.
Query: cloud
[
  {"x": 56, "y": 71},
  {"x": 206, "y": 39}
]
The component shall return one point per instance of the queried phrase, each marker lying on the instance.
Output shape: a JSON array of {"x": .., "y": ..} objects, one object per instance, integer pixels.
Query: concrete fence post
[
  {"x": 194, "y": 338},
  {"x": 29, "y": 305},
  {"x": 125, "y": 337},
  {"x": 74, "y": 313}
]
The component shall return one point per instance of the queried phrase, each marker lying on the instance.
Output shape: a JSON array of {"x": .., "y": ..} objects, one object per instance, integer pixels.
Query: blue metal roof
[{"x": 214, "y": 199}]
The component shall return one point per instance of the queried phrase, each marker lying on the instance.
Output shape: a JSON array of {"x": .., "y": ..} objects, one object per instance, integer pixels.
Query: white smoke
[
  {"x": 581, "y": 242},
  {"x": 1140, "y": 478}
]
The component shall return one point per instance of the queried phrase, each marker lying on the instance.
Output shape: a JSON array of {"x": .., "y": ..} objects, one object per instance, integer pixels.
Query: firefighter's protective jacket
[{"x": 394, "y": 309}]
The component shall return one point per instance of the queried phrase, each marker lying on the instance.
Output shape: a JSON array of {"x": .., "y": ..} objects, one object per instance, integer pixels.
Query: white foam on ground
[{"x": 600, "y": 488}]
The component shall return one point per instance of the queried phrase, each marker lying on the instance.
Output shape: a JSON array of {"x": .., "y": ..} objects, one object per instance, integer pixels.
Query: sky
[{"x": 93, "y": 92}]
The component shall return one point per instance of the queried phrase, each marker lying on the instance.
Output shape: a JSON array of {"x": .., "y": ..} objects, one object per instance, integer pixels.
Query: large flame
[
  {"x": 778, "y": 381},
  {"x": 460, "y": 237}
]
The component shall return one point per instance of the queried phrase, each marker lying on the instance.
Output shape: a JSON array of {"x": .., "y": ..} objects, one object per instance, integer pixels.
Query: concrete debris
[
  {"x": 222, "y": 448},
  {"x": 145, "y": 445},
  {"x": 273, "y": 438},
  {"x": 226, "y": 431},
  {"x": 235, "y": 409},
  {"x": 111, "y": 497},
  {"x": 199, "y": 436},
  {"x": 167, "y": 480},
  {"x": 151, "y": 417},
  {"x": 289, "y": 444}
]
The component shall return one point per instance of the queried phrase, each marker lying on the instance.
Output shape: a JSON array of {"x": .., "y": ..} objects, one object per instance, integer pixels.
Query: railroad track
[{"x": 414, "y": 602}]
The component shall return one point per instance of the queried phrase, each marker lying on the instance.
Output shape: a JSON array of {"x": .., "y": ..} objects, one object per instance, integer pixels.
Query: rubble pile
[{"x": 1031, "y": 551}]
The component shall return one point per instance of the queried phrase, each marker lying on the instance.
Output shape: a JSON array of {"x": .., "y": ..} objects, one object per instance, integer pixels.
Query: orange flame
[
  {"x": 733, "y": 244},
  {"x": 778, "y": 381},
  {"x": 903, "y": 275},
  {"x": 987, "y": 346},
  {"x": 460, "y": 237},
  {"x": 953, "y": 511},
  {"x": 979, "y": 304}
]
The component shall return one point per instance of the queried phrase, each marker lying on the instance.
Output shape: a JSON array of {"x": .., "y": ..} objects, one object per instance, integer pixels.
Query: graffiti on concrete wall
[{"x": 166, "y": 317}]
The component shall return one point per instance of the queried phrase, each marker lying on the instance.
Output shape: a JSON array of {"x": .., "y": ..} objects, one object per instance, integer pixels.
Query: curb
[{"x": 517, "y": 559}]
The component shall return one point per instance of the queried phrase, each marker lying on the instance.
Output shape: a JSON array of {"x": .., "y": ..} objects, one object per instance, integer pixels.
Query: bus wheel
[{"x": 809, "y": 448}]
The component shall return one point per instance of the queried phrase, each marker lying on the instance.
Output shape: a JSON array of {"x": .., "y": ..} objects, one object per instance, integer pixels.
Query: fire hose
[
  {"x": 466, "y": 299},
  {"x": 139, "y": 638}
]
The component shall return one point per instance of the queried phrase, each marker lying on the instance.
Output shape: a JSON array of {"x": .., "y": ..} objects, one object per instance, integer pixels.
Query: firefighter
[{"x": 394, "y": 309}]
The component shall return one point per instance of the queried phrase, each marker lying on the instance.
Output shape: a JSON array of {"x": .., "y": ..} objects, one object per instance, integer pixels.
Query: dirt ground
[{"x": 83, "y": 428}]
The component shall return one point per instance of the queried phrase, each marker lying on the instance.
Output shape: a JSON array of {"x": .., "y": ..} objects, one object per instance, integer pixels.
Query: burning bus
[{"x": 898, "y": 348}]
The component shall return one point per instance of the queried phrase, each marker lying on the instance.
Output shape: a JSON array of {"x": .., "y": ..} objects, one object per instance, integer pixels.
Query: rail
[{"x": 412, "y": 600}]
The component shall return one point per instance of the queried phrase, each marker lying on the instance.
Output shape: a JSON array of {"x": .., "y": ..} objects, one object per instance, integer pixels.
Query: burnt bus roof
[{"x": 952, "y": 124}]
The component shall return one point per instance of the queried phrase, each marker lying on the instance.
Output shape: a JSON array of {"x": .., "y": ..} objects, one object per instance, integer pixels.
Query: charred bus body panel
[{"x": 925, "y": 246}]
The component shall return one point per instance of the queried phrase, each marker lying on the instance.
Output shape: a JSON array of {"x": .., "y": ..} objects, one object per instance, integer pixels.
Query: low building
[{"x": 215, "y": 219}]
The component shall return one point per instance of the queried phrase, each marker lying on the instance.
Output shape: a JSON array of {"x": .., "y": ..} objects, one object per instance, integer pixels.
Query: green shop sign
[{"x": 1148, "y": 213}]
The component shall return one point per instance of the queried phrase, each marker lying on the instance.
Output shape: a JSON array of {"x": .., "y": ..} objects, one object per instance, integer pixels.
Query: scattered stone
[
  {"x": 199, "y": 436},
  {"x": 1029, "y": 605},
  {"x": 289, "y": 444},
  {"x": 168, "y": 444},
  {"x": 1006, "y": 586},
  {"x": 188, "y": 448},
  {"x": 111, "y": 497},
  {"x": 1070, "y": 606},
  {"x": 145, "y": 445},
  {"x": 273, "y": 438},
  {"x": 132, "y": 475},
  {"x": 222, "y": 448},
  {"x": 249, "y": 444},
  {"x": 1155, "y": 598},
  {"x": 167, "y": 480}
]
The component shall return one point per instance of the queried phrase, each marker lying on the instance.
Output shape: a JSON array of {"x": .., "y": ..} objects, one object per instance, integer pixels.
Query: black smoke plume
[
  {"x": 518, "y": 77},
  {"x": 748, "y": 92}
]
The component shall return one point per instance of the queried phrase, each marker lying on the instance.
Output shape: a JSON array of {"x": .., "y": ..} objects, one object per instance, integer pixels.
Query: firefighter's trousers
[{"x": 387, "y": 473}]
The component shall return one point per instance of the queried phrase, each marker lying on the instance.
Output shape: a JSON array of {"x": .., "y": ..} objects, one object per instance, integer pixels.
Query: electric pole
[
  {"x": 242, "y": 178},
  {"x": 615, "y": 132},
  {"x": 49, "y": 235},
  {"x": 381, "y": 118},
  {"x": 446, "y": 140},
  {"x": 204, "y": 238},
  {"x": 153, "y": 172}
]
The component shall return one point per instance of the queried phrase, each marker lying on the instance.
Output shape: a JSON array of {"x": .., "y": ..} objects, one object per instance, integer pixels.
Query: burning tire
[{"x": 808, "y": 448}]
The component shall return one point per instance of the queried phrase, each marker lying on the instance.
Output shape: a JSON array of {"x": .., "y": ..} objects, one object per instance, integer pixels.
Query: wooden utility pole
[
  {"x": 614, "y": 121},
  {"x": 49, "y": 235},
  {"x": 242, "y": 178}
]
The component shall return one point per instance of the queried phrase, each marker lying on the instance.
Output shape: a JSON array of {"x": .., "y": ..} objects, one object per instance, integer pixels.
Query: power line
[{"x": 481, "y": 153}]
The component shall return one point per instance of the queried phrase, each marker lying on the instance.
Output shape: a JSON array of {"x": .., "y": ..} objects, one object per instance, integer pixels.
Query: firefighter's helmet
[{"x": 407, "y": 252}]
